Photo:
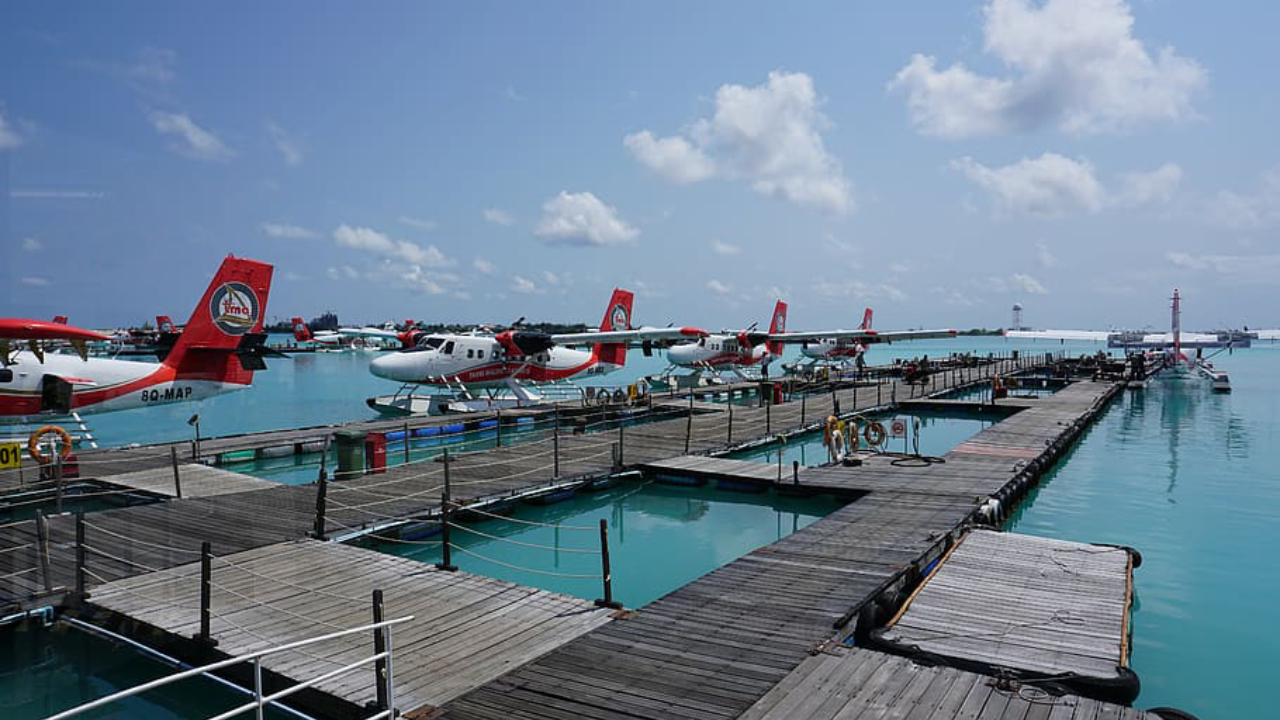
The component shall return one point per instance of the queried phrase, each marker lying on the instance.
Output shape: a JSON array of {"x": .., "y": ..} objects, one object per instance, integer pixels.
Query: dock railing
[{"x": 382, "y": 658}]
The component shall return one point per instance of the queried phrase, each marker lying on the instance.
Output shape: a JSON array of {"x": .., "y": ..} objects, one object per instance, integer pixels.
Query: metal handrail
[{"x": 256, "y": 658}]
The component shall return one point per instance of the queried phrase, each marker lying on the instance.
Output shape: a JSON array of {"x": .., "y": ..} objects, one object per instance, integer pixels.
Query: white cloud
[
  {"x": 859, "y": 289},
  {"x": 1157, "y": 186},
  {"x": 718, "y": 287},
  {"x": 484, "y": 266},
  {"x": 498, "y": 217},
  {"x": 523, "y": 285},
  {"x": 369, "y": 240},
  {"x": 154, "y": 65},
  {"x": 31, "y": 244},
  {"x": 582, "y": 219},
  {"x": 674, "y": 158},
  {"x": 1074, "y": 64},
  {"x": 724, "y": 248},
  {"x": 768, "y": 135},
  {"x": 1027, "y": 284},
  {"x": 34, "y": 281},
  {"x": 1253, "y": 211},
  {"x": 1048, "y": 185},
  {"x": 1237, "y": 268},
  {"x": 294, "y": 232},
  {"x": 9, "y": 138},
  {"x": 1043, "y": 256},
  {"x": 285, "y": 143},
  {"x": 424, "y": 224},
  {"x": 190, "y": 140}
]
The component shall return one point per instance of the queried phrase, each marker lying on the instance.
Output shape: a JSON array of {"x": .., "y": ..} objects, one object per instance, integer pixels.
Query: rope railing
[
  {"x": 496, "y": 516},
  {"x": 550, "y": 573},
  {"x": 459, "y": 526},
  {"x": 145, "y": 543}
]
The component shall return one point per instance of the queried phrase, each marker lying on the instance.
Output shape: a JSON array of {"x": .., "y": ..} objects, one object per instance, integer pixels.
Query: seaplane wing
[
  {"x": 367, "y": 332},
  {"x": 637, "y": 334},
  {"x": 36, "y": 331},
  {"x": 863, "y": 336},
  {"x": 1088, "y": 335}
]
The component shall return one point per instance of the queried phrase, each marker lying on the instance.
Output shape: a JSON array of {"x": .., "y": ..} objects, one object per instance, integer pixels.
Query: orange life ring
[
  {"x": 874, "y": 434},
  {"x": 33, "y": 443}
]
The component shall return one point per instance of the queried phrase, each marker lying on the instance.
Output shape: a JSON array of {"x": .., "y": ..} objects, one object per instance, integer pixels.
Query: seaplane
[
  {"x": 369, "y": 339},
  {"x": 1165, "y": 348},
  {"x": 218, "y": 351},
  {"x": 745, "y": 348},
  {"x": 515, "y": 366}
]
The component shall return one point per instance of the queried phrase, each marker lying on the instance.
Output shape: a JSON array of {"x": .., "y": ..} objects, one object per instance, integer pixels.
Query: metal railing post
[
  {"x": 322, "y": 491},
  {"x": 80, "y": 594},
  {"x": 42, "y": 551},
  {"x": 206, "y": 593},
  {"x": 379, "y": 647},
  {"x": 446, "y": 559},
  {"x": 606, "y": 572},
  {"x": 177, "y": 479},
  {"x": 257, "y": 687}
]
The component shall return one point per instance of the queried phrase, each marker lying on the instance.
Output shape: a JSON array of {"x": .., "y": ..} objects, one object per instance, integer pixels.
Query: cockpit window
[
  {"x": 702, "y": 342},
  {"x": 6, "y": 375}
]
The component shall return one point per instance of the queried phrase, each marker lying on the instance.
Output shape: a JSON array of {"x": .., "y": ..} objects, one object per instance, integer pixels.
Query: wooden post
[
  {"x": 80, "y": 595},
  {"x": 447, "y": 490},
  {"x": 606, "y": 573},
  {"x": 322, "y": 491},
  {"x": 688, "y": 426},
  {"x": 795, "y": 472},
  {"x": 177, "y": 480},
  {"x": 620, "y": 446},
  {"x": 879, "y": 384},
  {"x": 498, "y": 417},
  {"x": 803, "y": 397},
  {"x": 555, "y": 442},
  {"x": 894, "y": 392},
  {"x": 42, "y": 549},
  {"x": 781, "y": 444},
  {"x": 729, "y": 439},
  {"x": 379, "y": 646},
  {"x": 445, "y": 557},
  {"x": 406, "y": 442},
  {"x": 57, "y": 474},
  {"x": 206, "y": 593},
  {"x": 768, "y": 417}
]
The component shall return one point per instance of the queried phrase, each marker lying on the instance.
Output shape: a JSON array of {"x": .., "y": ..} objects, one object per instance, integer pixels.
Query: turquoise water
[
  {"x": 938, "y": 435},
  {"x": 660, "y": 538},
  {"x": 47, "y": 670},
  {"x": 1187, "y": 476}
]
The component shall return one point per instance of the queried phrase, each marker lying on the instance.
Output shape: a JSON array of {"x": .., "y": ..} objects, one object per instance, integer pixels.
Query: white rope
[
  {"x": 523, "y": 569},
  {"x": 286, "y": 583},
  {"x": 528, "y": 522},
  {"x": 269, "y": 606},
  {"x": 551, "y": 548},
  {"x": 105, "y": 554},
  {"x": 159, "y": 546}
]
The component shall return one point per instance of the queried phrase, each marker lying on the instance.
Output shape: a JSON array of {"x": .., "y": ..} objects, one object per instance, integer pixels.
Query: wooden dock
[
  {"x": 842, "y": 682},
  {"x": 467, "y": 629},
  {"x": 194, "y": 481},
  {"x": 1025, "y": 607}
]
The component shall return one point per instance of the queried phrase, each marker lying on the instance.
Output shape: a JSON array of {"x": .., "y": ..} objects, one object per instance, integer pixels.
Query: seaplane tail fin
[
  {"x": 301, "y": 332},
  {"x": 60, "y": 320},
  {"x": 164, "y": 324},
  {"x": 866, "y": 320},
  {"x": 617, "y": 316},
  {"x": 778, "y": 324},
  {"x": 226, "y": 326}
]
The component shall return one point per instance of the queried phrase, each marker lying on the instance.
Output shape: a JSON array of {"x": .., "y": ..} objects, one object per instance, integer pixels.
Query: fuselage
[
  {"x": 833, "y": 349},
  {"x": 65, "y": 383},
  {"x": 716, "y": 351},
  {"x": 481, "y": 361}
]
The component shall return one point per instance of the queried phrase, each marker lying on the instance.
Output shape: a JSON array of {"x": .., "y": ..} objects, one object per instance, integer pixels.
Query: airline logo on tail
[
  {"x": 234, "y": 308},
  {"x": 619, "y": 318}
]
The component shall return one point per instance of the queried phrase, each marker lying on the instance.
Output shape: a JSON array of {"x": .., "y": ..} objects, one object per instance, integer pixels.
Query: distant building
[{"x": 1017, "y": 318}]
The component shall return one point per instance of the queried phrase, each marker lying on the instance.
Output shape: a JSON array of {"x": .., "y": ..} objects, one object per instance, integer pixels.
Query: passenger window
[
  {"x": 448, "y": 348},
  {"x": 480, "y": 354},
  {"x": 471, "y": 353}
]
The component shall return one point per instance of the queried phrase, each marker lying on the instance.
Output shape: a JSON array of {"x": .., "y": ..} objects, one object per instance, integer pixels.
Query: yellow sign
[{"x": 10, "y": 455}]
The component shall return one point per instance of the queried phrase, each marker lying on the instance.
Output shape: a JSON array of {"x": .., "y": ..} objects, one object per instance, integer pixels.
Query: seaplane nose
[
  {"x": 392, "y": 366},
  {"x": 680, "y": 354}
]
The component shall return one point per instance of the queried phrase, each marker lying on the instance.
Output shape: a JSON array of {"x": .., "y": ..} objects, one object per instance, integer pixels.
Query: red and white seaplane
[
  {"x": 366, "y": 338},
  {"x": 218, "y": 351},
  {"x": 750, "y": 347},
  {"x": 516, "y": 362}
]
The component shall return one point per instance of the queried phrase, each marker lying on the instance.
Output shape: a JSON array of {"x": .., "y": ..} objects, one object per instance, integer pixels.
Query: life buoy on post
[
  {"x": 874, "y": 434},
  {"x": 33, "y": 443}
]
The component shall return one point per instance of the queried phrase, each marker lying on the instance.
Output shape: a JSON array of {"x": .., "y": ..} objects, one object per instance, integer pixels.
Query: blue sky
[{"x": 480, "y": 161}]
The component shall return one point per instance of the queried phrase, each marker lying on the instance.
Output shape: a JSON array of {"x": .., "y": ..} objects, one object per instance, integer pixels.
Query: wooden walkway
[
  {"x": 858, "y": 683},
  {"x": 467, "y": 629},
  {"x": 196, "y": 481},
  {"x": 1033, "y": 605}
]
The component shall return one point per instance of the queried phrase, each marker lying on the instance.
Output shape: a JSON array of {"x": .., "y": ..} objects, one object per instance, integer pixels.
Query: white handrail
[{"x": 248, "y": 657}]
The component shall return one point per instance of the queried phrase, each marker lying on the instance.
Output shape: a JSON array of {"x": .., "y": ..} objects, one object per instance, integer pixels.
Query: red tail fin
[
  {"x": 60, "y": 320},
  {"x": 777, "y": 325},
  {"x": 232, "y": 306},
  {"x": 164, "y": 324},
  {"x": 617, "y": 316},
  {"x": 301, "y": 332},
  {"x": 866, "y": 320}
]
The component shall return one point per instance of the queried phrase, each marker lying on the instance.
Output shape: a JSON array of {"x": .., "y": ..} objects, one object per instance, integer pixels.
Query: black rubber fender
[
  {"x": 1168, "y": 713},
  {"x": 1133, "y": 552}
]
